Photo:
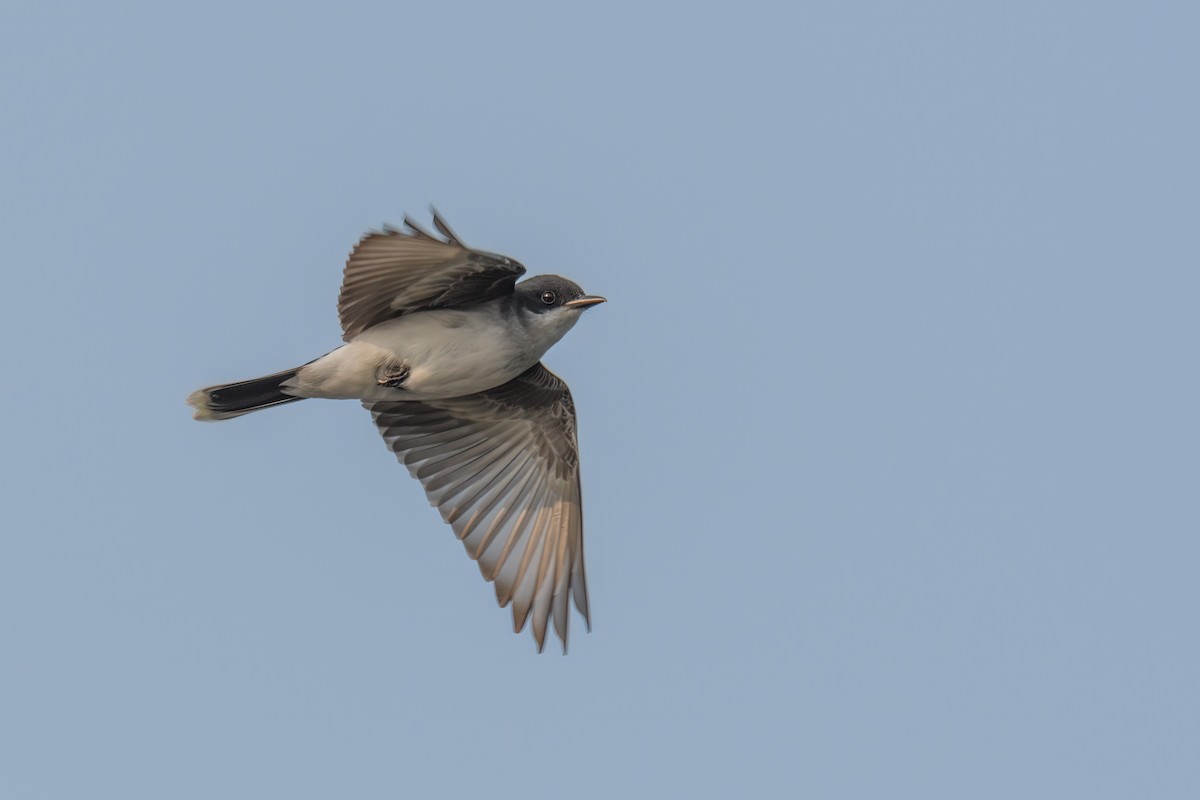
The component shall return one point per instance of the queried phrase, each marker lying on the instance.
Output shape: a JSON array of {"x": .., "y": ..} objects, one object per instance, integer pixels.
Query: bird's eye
[{"x": 548, "y": 298}]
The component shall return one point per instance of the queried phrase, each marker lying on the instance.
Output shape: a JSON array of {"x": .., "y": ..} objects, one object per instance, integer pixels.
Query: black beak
[{"x": 585, "y": 301}]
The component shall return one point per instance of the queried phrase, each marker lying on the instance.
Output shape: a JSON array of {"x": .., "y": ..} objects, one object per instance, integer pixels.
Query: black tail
[{"x": 234, "y": 399}]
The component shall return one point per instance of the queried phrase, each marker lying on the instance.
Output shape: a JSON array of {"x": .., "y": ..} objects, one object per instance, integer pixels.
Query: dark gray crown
[{"x": 535, "y": 292}]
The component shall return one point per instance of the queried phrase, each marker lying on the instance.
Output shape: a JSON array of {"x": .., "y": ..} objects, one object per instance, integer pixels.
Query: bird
[{"x": 443, "y": 347}]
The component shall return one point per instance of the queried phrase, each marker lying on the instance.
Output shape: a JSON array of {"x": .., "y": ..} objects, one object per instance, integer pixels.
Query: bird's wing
[
  {"x": 393, "y": 272},
  {"x": 503, "y": 468}
]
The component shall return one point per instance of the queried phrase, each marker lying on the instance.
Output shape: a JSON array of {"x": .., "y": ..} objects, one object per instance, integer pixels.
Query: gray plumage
[
  {"x": 503, "y": 468},
  {"x": 394, "y": 272},
  {"x": 443, "y": 347}
]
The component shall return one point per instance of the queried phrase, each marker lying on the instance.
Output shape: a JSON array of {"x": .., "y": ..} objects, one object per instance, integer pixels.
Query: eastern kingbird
[{"x": 443, "y": 347}]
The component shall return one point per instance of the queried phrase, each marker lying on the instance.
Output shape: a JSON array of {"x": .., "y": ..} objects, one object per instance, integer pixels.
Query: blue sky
[{"x": 888, "y": 429}]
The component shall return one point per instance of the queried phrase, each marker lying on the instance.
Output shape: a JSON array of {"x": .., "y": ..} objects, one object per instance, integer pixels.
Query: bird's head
[{"x": 554, "y": 299}]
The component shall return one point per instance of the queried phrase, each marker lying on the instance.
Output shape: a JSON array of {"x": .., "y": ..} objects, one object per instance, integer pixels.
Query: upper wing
[
  {"x": 392, "y": 272},
  {"x": 503, "y": 468}
]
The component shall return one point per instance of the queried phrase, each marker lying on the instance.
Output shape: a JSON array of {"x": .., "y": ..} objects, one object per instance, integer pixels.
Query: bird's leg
[{"x": 393, "y": 375}]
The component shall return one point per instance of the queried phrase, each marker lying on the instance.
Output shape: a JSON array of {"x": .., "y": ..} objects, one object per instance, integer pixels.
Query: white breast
[{"x": 449, "y": 353}]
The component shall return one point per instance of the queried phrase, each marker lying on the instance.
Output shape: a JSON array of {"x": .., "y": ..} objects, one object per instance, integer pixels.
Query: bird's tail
[{"x": 234, "y": 399}]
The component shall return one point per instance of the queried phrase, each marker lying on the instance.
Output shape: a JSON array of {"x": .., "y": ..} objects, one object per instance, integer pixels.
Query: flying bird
[{"x": 444, "y": 348}]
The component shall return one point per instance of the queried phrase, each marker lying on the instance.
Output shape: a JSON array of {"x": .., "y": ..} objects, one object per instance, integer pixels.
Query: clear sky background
[{"x": 889, "y": 429}]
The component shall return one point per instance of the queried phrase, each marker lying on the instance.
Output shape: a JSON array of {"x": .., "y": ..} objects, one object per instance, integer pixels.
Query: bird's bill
[{"x": 585, "y": 301}]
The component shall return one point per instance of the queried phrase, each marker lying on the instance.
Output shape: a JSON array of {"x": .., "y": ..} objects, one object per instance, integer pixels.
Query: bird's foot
[{"x": 394, "y": 376}]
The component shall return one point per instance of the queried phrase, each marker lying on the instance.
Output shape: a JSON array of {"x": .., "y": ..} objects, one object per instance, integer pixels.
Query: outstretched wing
[
  {"x": 394, "y": 272},
  {"x": 503, "y": 468}
]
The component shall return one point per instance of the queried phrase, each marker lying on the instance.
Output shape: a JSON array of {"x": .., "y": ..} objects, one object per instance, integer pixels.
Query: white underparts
[{"x": 449, "y": 353}]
